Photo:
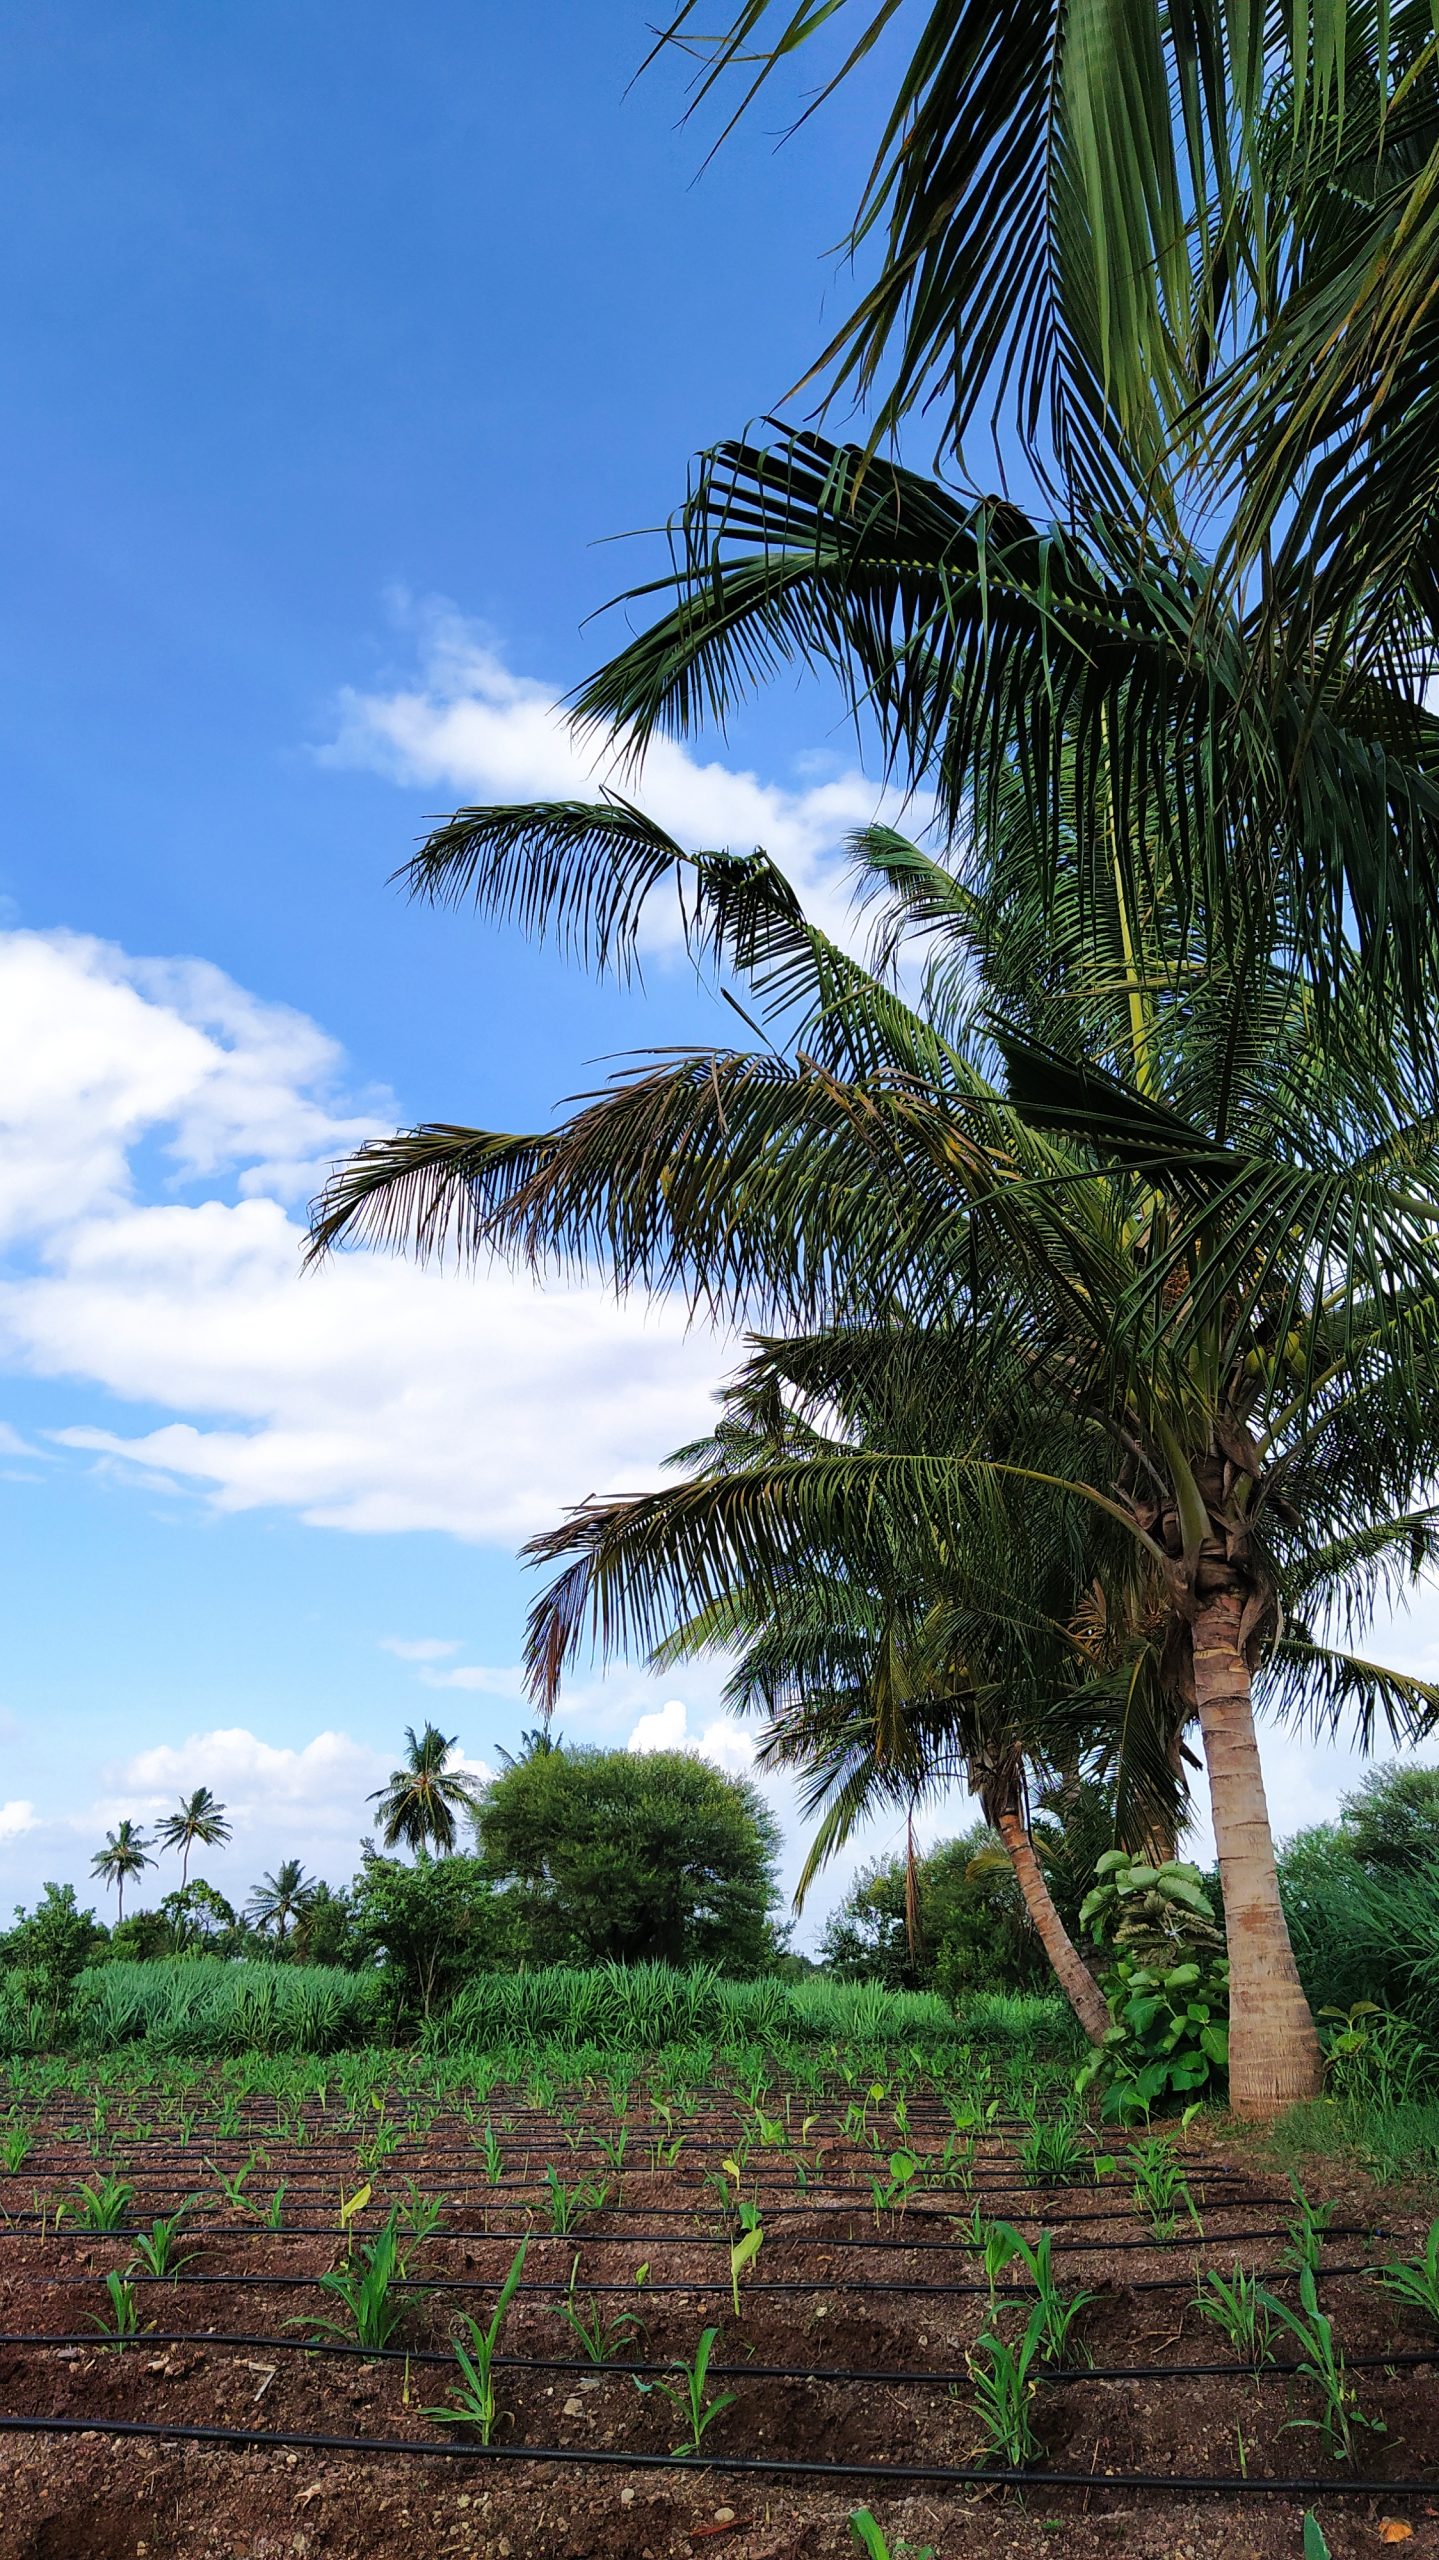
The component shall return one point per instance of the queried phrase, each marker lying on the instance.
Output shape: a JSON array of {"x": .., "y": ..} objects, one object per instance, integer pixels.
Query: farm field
[{"x": 278, "y": 2257}]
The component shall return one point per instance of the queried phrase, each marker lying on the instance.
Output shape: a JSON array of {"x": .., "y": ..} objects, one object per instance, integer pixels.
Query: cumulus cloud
[
  {"x": 16, "y": 1816},
  {"x": 418, "y": 1648},
  {"x": 367, "y": 1396},
  {"x": 470, "y": 726},
  {"x": 667, "y": 1728},
  {"x": 322, "y": 1783}
]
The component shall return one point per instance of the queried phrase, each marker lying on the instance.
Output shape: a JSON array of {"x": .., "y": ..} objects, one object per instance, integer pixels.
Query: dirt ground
[{"x": 841, "y": 2299}]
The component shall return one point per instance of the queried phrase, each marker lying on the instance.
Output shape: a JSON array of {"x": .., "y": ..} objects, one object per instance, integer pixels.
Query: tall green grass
[
  {"x": 1359, "y": 1936},
  {"x": 204, "y": 2009},
  {"x": 642, "y": 2007}
]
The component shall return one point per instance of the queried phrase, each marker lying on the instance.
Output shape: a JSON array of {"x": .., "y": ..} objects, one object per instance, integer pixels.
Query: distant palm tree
[
  {"x": 200, "y": 1819},
  {"x": 418, "y": 1805},
  {"x": 280, "y": 1898},
  {"x": 125, "y": 1852}
]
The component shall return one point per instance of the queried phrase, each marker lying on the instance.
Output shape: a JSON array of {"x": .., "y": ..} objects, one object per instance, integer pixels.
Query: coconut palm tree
[
  {"x": 1165, "y": 1202},
  {"x": 278, "y": 1900},
  {"x": 126, "y": 1853},
  {"x": 419, "y": 1802},
  {"x": 201, "y": 1821}
]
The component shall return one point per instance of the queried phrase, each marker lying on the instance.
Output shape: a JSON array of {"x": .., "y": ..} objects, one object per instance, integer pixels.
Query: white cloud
[
  {"x": 471, "y": 727},
  {"x": 418, "y": 1648},
  {"x": 16, "y": 1816},
  {"x": 324, "y": 1782},
  {"x": 721, "y": 1742},
  {"x": 367, "y": 1396}
]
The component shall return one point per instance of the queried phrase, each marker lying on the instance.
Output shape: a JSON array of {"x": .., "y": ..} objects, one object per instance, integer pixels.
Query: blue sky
[{"x": 340, "y": 341}]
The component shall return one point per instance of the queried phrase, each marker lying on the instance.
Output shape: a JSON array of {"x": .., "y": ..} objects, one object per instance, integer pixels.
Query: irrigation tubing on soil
[
  {"x": 104, "y": 2343},
  {"x": 655, "y": 2284},
  {"x": 968, "y": 2476}
]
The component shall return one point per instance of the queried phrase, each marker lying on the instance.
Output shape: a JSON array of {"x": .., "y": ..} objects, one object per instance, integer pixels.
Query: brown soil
[{"x": 819, "y": 2297}]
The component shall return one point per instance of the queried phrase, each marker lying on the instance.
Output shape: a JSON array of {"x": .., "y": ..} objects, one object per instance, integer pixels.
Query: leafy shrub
[{"x": 1167, "y": 1986}]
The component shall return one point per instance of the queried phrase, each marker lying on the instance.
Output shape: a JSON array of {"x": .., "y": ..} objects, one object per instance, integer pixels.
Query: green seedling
[
  {"x": 1315, "y": 2546},
  {"x": 494, "y": 2156},
  {"x": 869, "y": 2539},
  {"x": 158, "y": 2250},
  {"x": 124, "y": 2320},
  {"x": 741, "y": 2257},
  {"x": 16, "y": 2144},
  {"x": 102, "y": 2207},
  {"x": 366, "y": 2290},
  {"x": 955, "y": 2165},
  {"x": 1305, "y": 2244},
  {"x": 895, "y": 2190},
  {"x": 1052, "y": 2155},
  {"x": 1236, "y": 2308},
  {"x": 232, "y": 2184},
  {"x": 570, "y": 2205},
  {"x": 613, "y": 2146},
  {"x": 601, "y": 2335},
  {"x": 475, "y": 2402},
  {"x": 1161, "y": 2189},
  {"x": 688, "y": 2395},
  {"x": 665, "y": 2154},
  {"x": 420, "y": 2214},
  {"x": 274, "y": 2217},
  {"x": 1321, "y": 2362},
  {"x": 1057, "y": 2309},
  {"x": 1002, "y": 2391},
  {"x": 1415, "y": 2281},
  {"x": 996, "y": 2244}
]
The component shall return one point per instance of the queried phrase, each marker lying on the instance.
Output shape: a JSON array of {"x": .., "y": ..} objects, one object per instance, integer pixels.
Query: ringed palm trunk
[
  {"x": 1071, "y": 1972},
  {"x": 1274, "y": 2052}
]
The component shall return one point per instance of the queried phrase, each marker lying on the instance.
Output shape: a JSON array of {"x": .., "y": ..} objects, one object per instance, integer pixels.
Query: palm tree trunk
[
  {"x": 1071, "y": 1972},
  {"x": 1274, "y": 2053}
]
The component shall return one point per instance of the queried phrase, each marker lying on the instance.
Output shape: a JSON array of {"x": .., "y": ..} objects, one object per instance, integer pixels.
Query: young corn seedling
[
  {"x": 996, "y": 2243},
  {"x": 158, "y": 2250},
  {"x": 741, "y": 2257},
  {"x": 1321, "y": 2362},
  {"x": 689, "y": 2395},
  {"x": 895, "y": 2191},
  {"x": 1002, "y": 2390},
  {"x": 613, "y": 2146},
  {"x": 1238, "y": 2310},
  {"x": 366, "y": 2290},
  {"x": 494, "y": 2156},
  {"x": 232, "y": 2187},
  {"x": 420, "y": 2214},
  {"x": 1305, "y": 2244},
  {"x": 570, "y": 2205},
  {"x": 955, "y": 2165},
  {"x": 1161, "y": 2189},
  {"x": 124, "y": 2320},
  {"x": 16, "y": 2144},
  {"x": 1415, "y": 2281},
  {"x": 102, "y": 2207},
  {"x": 474, "y": 2404},
  {"x": 1057, "y": 2309},
  {"x": 274, "y": 2216},
  {"x": 1052, "y": 2155},
  {"x": 665, "y": 2152},
  {"x": 869, "y": 2539},
  {"x": 600, "y": 2335}
]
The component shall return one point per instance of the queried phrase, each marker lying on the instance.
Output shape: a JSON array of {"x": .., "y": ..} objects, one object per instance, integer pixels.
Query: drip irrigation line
[
  {"x": 882, "y": 2242},
  {"x": 1274, "y": 2368},
  {"x": 835, "y": 2281},
  {"x": 599, "y": 2457}
]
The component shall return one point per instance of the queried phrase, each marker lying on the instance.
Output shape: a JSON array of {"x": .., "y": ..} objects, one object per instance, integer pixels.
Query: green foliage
[
  {"x": 124, "y": 2317},
  {"x": 475, "y": 2404},
  {"x": 48, "y": 1949},
  {"x": 1167, "y": 1984},
  {"x": 1415, "y": 2281},
  {"x": 869, "y": 2540},
  {"x": 602, "y": 2335},
  {"x": 158, "y": 2250},
  {"x": 1161, "y": 2189},
  {"x": 972, "y": 1927},
  {"x": 1391, "y": 1820},
  {"x": 1002, "y": 2388},
  {"x": 620, "y": 1855},
  {"x": 366, "y": 2288},
  {"x": 689, "y": 2396},
  {"x": 1232, "y": 2304},
  {"x": 1321, "y": 2363},
  {"x": 1364, "y": 1933},
  {"x": 102, "y": 2207},
  {"x": 435, "y": 1922}
]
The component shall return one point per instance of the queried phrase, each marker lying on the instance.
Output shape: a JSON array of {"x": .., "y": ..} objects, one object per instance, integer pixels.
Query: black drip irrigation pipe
[
  {"x": 248, "y": 2282},
  {"x": 199, "y": 2230},
  {"x": 262, "y": 2440},
  {"x": 908, "y": 2377}
]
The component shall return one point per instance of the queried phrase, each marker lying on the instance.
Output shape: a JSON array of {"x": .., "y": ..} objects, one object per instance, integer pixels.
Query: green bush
[
  {"x": 202, "y": 2008},
  {"x": 1167, "y": 1984}
]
